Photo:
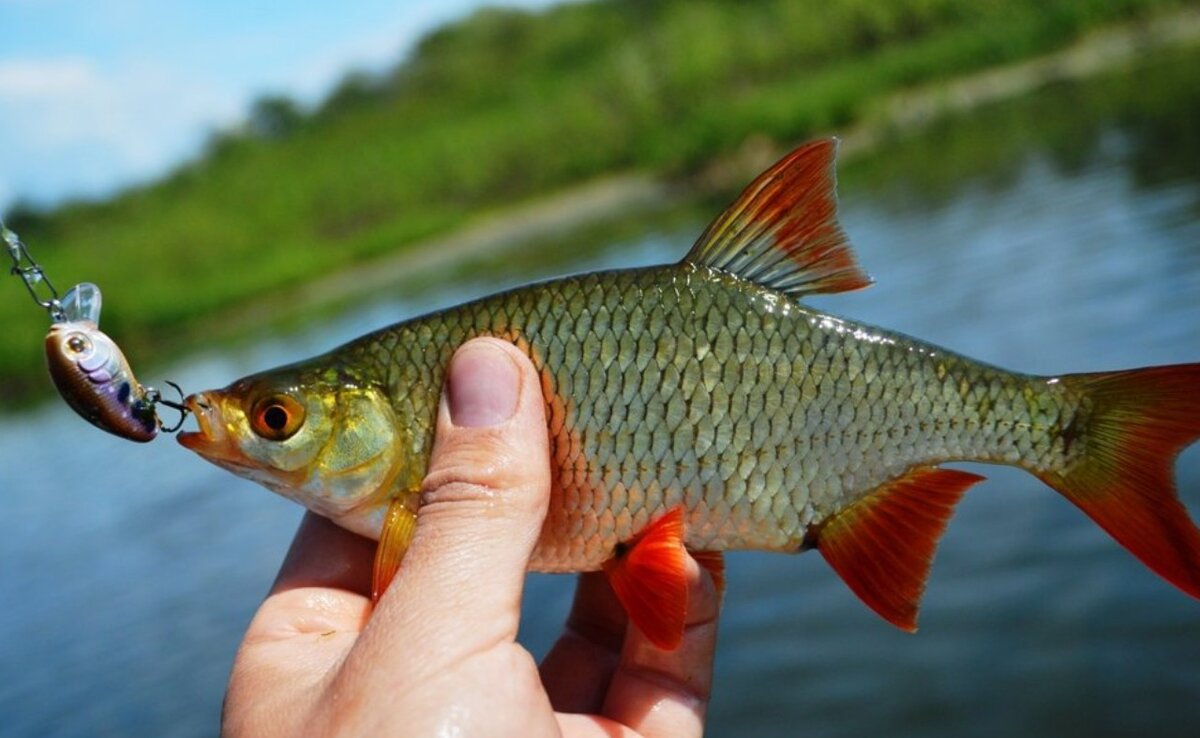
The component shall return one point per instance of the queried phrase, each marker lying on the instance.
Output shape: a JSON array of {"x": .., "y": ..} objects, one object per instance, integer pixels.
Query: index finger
[
  {"x": 577, "y": 670},
  {"x": 323, "y": 554},
  {"x": 662, "y": 693},
  {"x": 301, "y": 631},
  {"x": 322, "y": 586}
]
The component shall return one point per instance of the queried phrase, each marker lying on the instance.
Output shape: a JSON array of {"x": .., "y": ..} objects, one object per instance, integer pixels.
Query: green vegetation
[
  {"x": 493, "y": 110},
  {"x": 1152, "y": 107}
]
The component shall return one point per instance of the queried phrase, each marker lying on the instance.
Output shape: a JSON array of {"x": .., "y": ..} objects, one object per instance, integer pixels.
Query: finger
[
  {"x": 321, "y": 587},
  {"x": 483, "y": 502},
  {"x": 665, "y": 693},
  {"x": 324, "y": 554},
  {"x": 303, "y": 629},
  {"x": 577, "y": 670}
]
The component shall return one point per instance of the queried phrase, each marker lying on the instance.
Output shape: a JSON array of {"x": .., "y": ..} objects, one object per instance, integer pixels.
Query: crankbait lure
[
  {"x": 92, "y": 374},
  {"x": 88, "y": 368}
]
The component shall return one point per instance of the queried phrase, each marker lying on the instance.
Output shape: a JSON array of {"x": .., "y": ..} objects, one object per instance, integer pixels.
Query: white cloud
[
  {"x": 81, "y": 127},
  {"x": 35, "y": 78},
  {"x": 99, "y": 95}
]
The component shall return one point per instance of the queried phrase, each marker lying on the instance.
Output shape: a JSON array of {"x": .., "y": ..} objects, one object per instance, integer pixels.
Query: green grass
[{"x": 493, "y": 110}]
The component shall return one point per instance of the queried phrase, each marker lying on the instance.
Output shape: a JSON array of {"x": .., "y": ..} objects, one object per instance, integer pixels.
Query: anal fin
[
  {"x": 649, "y": 577},
  {"x": 399, "y": 523},
  {"x": 882, "y": 545}
]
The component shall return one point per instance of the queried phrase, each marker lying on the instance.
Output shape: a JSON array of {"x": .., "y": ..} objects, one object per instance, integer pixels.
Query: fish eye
[{"x": 276, "y": 417}]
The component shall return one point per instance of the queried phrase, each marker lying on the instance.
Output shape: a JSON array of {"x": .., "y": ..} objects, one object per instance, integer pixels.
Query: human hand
[{"x": 438, "y": 655}]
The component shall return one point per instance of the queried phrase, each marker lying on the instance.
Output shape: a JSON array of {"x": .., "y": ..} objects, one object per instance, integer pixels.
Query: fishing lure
[
  {"x": 89, "y": 370},
  {"x": 93, "y": 375}
]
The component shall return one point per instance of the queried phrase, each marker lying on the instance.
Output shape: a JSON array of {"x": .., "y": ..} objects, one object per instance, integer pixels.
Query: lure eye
[
  {"x": 78, "y": 344},
  {"x": 276, "y": 417}
]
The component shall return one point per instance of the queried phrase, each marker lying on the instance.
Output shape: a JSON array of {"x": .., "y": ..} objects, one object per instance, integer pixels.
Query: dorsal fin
[
  {"x": 882, "y": 545},
  {"x": 782, "y": 231}
]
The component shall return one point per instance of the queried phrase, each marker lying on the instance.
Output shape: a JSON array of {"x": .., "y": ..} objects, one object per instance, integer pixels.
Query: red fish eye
[{"x": 276, "y": 417}]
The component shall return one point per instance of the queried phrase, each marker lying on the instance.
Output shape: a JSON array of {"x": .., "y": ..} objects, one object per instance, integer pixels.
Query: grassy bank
[{"x": 492, "y": 111}]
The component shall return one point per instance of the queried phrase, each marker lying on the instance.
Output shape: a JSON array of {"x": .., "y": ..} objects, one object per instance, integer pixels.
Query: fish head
[{"x": 319, "y": 438}]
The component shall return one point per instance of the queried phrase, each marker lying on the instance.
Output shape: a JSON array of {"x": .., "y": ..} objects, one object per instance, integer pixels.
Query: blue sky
[{"x": 97, "y": 94}]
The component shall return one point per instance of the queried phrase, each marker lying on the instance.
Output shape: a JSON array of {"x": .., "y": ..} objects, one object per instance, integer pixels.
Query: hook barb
[{"x": 157, "y": 399}]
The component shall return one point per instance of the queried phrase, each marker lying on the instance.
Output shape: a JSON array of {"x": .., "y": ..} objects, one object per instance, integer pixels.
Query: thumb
[{"x": 482, "y": 505}]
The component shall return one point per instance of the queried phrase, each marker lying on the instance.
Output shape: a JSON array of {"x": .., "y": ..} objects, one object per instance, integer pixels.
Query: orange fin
[
  {"x": 714, "y": 563},
  {"x": 882, "y": 545},
  {"x": 1139, "y": 421},
  {"x": 398, "y": 525},
  {"x": 649, "y": 577},
  {"x": 782, "y": 231}
]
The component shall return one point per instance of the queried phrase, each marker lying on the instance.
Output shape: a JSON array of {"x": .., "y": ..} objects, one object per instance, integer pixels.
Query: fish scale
[
  {"x": 703, "y": 406},
  {"x": 811, "y": 436}
]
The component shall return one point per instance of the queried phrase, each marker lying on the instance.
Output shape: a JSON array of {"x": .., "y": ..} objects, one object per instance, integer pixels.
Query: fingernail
[{"x": 483, "y": 387}]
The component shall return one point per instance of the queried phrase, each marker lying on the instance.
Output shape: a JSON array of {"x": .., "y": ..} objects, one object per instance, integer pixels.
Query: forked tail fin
[{"x": 1137, "y": 423}]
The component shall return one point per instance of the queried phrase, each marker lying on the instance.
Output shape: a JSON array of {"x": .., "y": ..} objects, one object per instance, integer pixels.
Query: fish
[
  {"x": 704, "y": 407},
  {"x": 91, "y": 372}
]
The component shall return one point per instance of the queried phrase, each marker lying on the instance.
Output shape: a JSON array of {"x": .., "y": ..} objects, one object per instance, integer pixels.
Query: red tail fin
[{"x": 1139, "y": 421}]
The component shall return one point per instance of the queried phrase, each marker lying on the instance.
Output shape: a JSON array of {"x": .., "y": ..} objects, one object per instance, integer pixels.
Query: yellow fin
[{"x": 398, "y": 525}]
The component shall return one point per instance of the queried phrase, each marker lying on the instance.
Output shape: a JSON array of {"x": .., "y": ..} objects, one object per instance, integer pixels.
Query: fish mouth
[
  {"x": 211, "y": 441},
  {"x": 200, "y": 408}
]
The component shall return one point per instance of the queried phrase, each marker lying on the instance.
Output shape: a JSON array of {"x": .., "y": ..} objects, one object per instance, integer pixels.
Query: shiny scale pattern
[{"x": 685, "y": 385}]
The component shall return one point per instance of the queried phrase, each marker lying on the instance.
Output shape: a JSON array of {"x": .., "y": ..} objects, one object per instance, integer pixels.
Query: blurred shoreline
[{"x": 630, "y": 195}]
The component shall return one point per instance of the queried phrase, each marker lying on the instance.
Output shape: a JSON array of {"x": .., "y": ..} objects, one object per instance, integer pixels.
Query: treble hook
[{"x": 155, "y": 398}]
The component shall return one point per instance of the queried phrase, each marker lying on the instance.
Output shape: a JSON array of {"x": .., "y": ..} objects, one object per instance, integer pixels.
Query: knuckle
[
  {"x": 467, "y": 478},
  {"x": 442, "y": 489},
  {"x": 479, "y": 469}
]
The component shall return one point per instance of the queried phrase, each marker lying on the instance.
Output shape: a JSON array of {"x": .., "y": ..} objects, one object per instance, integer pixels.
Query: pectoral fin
[
  {"x": 882, "y": 546},
  {"x": 398, "y": 525},
  {"x": 649, "y": 577}
]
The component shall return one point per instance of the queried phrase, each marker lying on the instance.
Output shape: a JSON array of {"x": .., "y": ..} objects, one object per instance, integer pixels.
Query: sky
[{"x": 100, "y": 94}]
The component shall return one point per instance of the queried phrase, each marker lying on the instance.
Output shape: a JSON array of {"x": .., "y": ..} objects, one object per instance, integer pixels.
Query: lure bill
[
  {"x": 703, "y": 406},
  {"x": 93, "y": 375}
]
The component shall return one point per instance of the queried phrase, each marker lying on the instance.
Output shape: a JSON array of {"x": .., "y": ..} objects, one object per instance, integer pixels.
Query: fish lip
[
  {"x": 197, "y": 439},
  {"x": 211, "y": 440}
]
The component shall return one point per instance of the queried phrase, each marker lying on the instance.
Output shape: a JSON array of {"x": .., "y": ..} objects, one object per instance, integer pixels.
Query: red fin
[
  {"x": 1137, "y": 423},
  {"x": 882, "y": 545},
  {"x": 782, "y": 231},
  {"x": 649, "y": 578},
  {"x": 398, "y": 525},
  {"x": 714, "y": 563}
]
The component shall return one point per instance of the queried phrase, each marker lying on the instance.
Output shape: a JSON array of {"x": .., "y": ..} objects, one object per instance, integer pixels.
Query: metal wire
[{"x": 39, "y": 286}]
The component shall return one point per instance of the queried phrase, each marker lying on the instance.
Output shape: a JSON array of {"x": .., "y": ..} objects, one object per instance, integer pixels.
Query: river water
[{"x": 1061, "y": 233}]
